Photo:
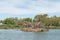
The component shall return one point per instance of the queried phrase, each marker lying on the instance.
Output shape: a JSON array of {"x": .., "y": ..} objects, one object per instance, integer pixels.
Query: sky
[{"x": 28, "y": 8}]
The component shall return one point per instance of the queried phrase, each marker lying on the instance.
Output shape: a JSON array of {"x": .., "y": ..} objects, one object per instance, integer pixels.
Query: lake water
[{"x": 52, "y": 34}]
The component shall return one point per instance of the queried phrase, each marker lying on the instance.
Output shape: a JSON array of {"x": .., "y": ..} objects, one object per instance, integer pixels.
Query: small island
[{"x": 33, "y": 27}]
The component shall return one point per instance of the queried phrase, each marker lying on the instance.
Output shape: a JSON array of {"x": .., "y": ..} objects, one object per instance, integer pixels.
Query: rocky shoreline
[{"x": 34, "y": 30}]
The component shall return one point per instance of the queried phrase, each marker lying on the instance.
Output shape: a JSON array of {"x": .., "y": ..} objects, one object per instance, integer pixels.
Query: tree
[
  {"x": 39, "y": 18},
  {"x": 42, "y": 18},
  {"x": 9, "y": 21},
  {"x": 28, "y": 19}
]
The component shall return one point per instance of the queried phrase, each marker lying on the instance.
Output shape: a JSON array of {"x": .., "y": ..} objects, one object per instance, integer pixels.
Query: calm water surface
[{"x": 52, "y": 34}]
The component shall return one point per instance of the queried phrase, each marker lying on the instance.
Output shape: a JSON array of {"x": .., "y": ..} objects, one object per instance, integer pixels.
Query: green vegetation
[{"x": 39, "y": 21}]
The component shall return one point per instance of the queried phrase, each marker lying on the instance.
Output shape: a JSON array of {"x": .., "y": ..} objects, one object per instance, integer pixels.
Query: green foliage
[
  {"x": 9, "y": 21},
  {"x": 28, "y": 19},
  {"x": 41, "y": 18},
  {"x": 48, "y": 21},
  {"x": 53, "y": 22}
]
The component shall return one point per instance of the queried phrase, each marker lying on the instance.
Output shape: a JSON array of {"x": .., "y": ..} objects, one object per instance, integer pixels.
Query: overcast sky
[{"x": 28, "y": 8}]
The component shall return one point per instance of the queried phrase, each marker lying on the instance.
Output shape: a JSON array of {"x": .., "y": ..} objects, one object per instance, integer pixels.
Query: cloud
[
  {"x": 54, "y": 0},
  {"x": 20, "y": 7}
]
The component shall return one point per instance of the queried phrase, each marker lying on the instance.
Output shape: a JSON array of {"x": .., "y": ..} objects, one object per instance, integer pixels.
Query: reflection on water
[{"x": 52, "y": 34}]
